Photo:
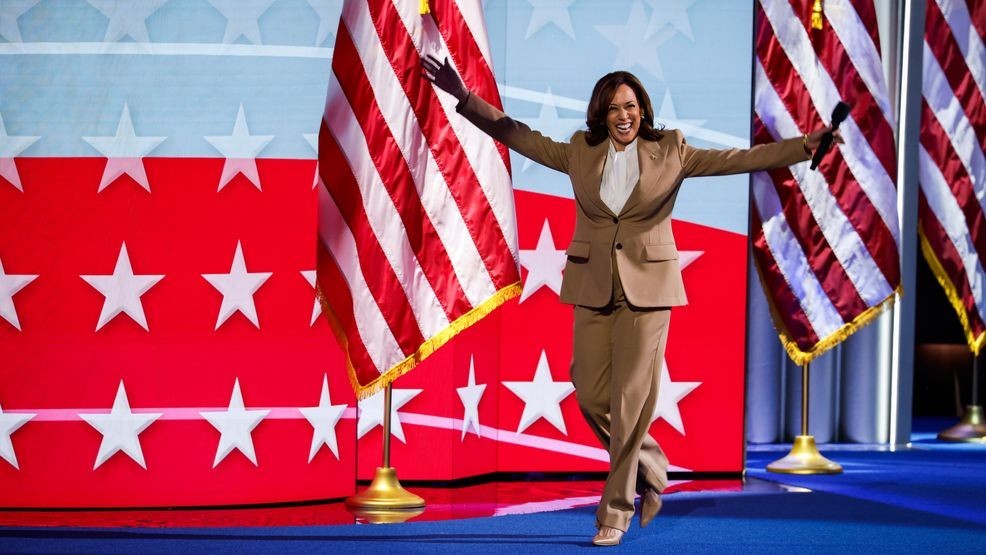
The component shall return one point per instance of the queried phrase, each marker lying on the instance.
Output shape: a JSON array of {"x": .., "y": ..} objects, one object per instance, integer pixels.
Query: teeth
[{"x": 623, "y": 126}]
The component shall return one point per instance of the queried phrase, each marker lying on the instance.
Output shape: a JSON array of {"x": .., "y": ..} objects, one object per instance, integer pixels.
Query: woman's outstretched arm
[
  {"x": 698, "y": 162},
  {"x": 493, "y": 122}
]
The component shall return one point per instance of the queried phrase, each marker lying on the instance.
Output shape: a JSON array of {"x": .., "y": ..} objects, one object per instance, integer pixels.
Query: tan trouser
[{"x": 615, "y": 368}]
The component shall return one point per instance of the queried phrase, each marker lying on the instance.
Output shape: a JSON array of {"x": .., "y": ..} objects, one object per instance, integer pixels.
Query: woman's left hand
[{"x": 814, "y": 138}]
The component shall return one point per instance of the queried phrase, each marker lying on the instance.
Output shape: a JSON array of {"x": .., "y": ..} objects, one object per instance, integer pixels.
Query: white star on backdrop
[
  {"x": 550, "y": 124},
  {"x": 124, "y": 152},
  {"x": 10, "y": 284},
  {"x": 312, "y": 139},
  {"x": 235, "y": 425},
  {"x": 241, "y": 18},
  {"x": 9, "y": 422},
  {"x": 120, "y": 429},
  {"x": 685, "y": 258},
  {"x": 633, "y": 45},
  {"x": 323, "y": 419},
  {"x": 127, "y": 18},
  {"x": 328, "y": 12},
  {"x": 371, "y": 412},
  {"x": 670, "y": 12},
  {"x": 11, "y": 146},
  {"x": 544, "y": 264},
  {"x": 237, "y": 288},
  {"x": 240, "y": 150},
  {"x": 10, "y": 11},
  {"x": 470, "y": 395},
  {"x": 669, "y": 394},
  {"x": 550, "y": 11},
  {"x": 669, "y": 115},
  {"x": 122, "y": 291},
  {"x": 310, "y": 276},
  {"x": 542, "y": 397}
]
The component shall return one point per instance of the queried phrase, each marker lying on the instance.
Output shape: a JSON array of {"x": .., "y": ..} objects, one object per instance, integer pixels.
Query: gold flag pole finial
[
  {"x": 816, "y": 15},
  {"x": 425, "y": 7}
]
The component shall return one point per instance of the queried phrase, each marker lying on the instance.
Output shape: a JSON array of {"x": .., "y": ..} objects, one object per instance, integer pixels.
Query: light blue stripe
[
  {"x": 281, "y": 82},
  {"x": 286, "y": 22},
  {"x": 64, "y": 98}
]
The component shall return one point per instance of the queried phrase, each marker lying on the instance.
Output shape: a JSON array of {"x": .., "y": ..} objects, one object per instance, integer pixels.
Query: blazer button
[
  {"x": 619, "y": 246},
  {"x": 616, "y": 220}
]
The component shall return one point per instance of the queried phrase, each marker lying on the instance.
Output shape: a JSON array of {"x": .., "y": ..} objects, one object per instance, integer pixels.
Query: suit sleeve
[
  {"x": 698, "y": 161},
  {"x": 515, "y": 134}
]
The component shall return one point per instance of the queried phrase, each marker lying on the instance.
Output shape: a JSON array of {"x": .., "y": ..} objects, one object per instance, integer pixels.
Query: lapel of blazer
[
  {"x": 592, "y": 175},
  {"x": 649, "y": 157}
]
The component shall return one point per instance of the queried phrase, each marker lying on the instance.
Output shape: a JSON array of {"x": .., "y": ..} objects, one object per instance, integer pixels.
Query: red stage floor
[{"x": 443, "y": 503}]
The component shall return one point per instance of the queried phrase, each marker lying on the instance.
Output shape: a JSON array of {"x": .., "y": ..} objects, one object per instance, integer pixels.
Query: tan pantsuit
[
  {"x": 623, "y": 277},
  {"x": 615, "y": 369}
]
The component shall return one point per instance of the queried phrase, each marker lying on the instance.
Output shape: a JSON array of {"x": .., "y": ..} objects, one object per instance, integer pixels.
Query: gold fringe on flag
[
  {"x": 816, "y": 15},
  {"x": 801, "y": 357},
  {"x": 975, "y": 342},
  {"x": 425, "y": 7},
  {"x": 426, "y": 349}
]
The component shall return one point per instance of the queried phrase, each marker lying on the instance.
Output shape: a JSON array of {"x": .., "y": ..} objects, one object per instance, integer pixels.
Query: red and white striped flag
[
  {"x": 952, "y": 160},
  {"x": 825, "y": 242},
  {"x": 417, "y": 237}
]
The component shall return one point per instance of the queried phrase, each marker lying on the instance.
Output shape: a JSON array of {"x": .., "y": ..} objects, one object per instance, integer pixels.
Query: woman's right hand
[{"x": 444, "y": 77}]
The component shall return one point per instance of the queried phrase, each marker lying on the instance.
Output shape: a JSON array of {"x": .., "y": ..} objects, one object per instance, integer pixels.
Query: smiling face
[{"x": 623, "y": 117}]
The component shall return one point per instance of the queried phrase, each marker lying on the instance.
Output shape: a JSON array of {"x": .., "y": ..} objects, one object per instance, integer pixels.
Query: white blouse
[{"x": 620, "y": 175}]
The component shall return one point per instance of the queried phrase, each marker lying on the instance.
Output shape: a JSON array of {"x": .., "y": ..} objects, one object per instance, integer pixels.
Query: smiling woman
[
  {"x": 620, "y": 108},
  {"x": 625, "y": 175},
  {"x": 623, "y": 117}
]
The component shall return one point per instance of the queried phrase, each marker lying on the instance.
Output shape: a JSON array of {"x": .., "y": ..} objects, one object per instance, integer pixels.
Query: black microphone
[{"x": 839, "y": 113}]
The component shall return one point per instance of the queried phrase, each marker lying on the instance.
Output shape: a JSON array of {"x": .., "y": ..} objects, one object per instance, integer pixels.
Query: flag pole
[
  {"x": 804, "y": 457},
  {"x": 972, "y": 427},
  {"x": 385, "y": 500}
]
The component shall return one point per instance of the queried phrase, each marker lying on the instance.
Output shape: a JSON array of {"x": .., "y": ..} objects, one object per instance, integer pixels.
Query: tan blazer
[{"x": 640, "y": 235}]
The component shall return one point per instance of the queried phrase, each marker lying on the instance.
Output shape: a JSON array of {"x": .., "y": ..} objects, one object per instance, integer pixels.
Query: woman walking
[{"x": 622, "y": 273}]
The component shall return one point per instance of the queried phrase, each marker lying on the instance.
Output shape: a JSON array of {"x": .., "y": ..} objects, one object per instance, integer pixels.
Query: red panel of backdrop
[{"x": 59, "y": 366}]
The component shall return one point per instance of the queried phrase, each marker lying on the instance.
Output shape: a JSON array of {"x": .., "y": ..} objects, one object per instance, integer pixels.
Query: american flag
[
  {"x": 417, "y": 238},
  {"x": 952, "y": 160},
  {"x": 826, "y": 242}
]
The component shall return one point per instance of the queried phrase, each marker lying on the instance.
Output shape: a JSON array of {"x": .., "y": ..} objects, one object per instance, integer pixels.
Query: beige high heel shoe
[
  {"x": 607, "y": 536},
  {"x": 650, "y": 505}
]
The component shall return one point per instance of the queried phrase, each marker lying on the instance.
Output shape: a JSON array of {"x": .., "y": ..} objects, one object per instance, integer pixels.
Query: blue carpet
[
  {"x": 948, "y": 480},
  {"x": 914, "y": 501}
]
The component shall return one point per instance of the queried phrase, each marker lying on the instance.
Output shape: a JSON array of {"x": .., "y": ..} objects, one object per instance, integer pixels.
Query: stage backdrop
[{"x": 160, "y": 343}]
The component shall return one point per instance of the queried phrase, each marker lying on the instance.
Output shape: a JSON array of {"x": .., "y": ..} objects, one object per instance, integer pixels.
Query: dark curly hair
[{"x": 602, "y": 95}]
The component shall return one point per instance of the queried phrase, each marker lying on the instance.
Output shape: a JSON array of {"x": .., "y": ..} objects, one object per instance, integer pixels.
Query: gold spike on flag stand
[
  {"x": 972, "y": 427},
  {"x": 385, "y": 500},
  {"x": 804, "y": 457}
]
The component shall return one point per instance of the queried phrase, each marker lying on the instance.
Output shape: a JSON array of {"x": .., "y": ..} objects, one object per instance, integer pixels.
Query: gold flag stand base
[
  {"x": 385, "y": 493},
  {"x": 386, "y": 516},
  {"x": 804, "y": 458},
  {"x": 385, "y": 500},
  {"x": 971, "y": 429}
]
